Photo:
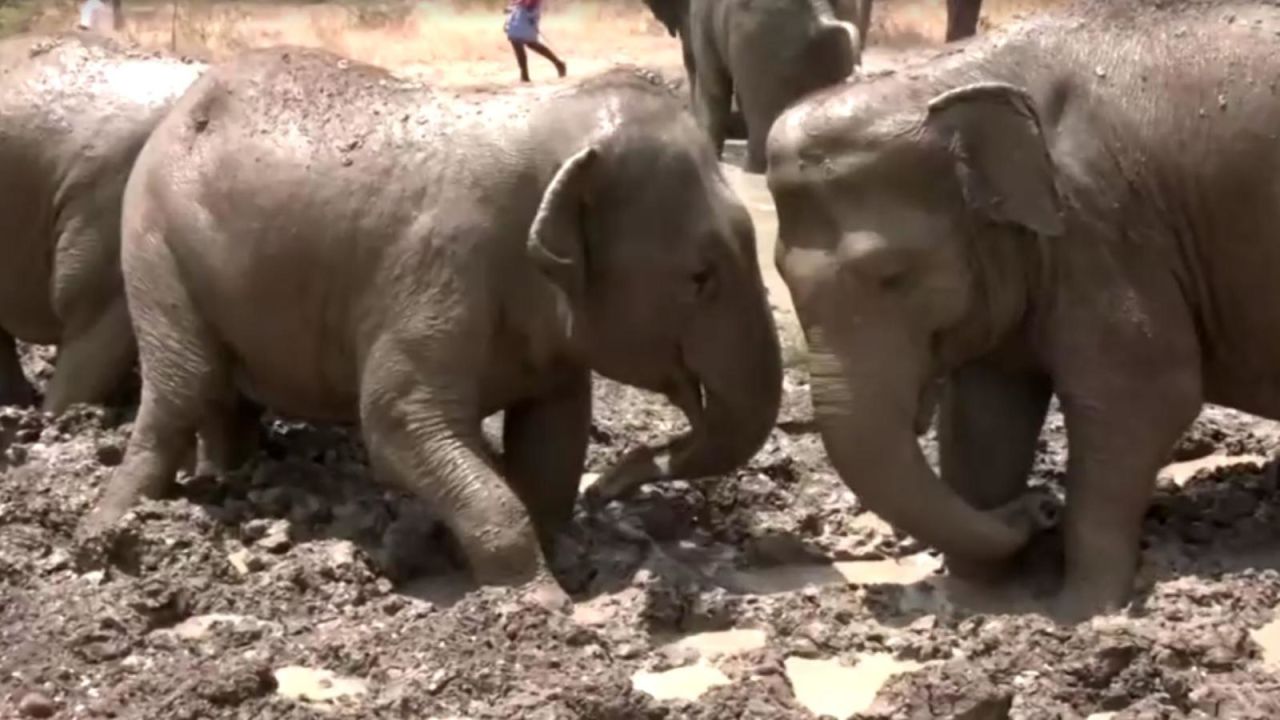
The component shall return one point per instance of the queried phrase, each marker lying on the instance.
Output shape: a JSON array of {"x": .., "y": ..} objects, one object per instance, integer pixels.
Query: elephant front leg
[
  {"x": 15, "y": 389},
  {"x": 989, "y": 425},
  {"x": 420, "y": 424},
  {"x": 544, "y": 448},
  {"x": 1119, "y": 437}
]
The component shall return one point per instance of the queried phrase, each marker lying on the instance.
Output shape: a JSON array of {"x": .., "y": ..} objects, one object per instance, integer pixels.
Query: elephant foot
[
  {"x": 1035, "y": 514},
  {"x": 18, "y": 393},
  {"x": 1072, "y": 608},
  {"x": 546, "y": 593}
]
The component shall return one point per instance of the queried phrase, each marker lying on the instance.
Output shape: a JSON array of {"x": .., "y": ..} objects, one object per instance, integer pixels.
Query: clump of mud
[{"x": 302, "y": 587}]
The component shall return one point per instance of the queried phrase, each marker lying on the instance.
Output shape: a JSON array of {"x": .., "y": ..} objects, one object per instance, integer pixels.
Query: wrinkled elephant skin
[
  {"x": 74, "y": 112},
  {"x": 766, "y": 53},
  {"x": 1079, "y": 206},
  {"x": 337, "y": 244}
]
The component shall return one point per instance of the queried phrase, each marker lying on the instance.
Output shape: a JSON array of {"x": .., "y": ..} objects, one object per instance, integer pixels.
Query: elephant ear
[
  {"x": 836, "y": 44},
  {"x": 557, "y": 238},
  {"x": 671, "y": 13},
  {"x": 1002, "y": 158}
]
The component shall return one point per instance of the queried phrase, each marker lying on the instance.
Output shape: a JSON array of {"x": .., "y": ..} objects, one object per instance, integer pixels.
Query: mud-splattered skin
[
  {"x": 1099, "y": 224},
  {"x": 74, "y": 112},
  {"x": 767, "y": 52},
  {"x": 338, "y": 244}
]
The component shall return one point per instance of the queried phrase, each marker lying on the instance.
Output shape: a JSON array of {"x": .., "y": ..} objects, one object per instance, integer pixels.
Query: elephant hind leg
[
  {"x": 15, "y": 389},
  {"x": 185, "y": 381}
]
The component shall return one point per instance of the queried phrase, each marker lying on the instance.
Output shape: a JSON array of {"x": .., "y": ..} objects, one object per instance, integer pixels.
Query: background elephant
[
  {"x": 74, "y": 112},
  {"x": 962, "y": 17},
  {"x": 1034, "y": 218},
  {"x": 766, "y": 52},
  {"x": 333, "y": 259}
]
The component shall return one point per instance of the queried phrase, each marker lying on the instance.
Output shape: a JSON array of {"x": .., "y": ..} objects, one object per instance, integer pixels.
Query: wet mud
[{"x": 302, "y": 588}]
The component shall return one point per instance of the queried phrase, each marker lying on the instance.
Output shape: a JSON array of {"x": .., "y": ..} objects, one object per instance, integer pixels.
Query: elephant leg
[
  {"x": 427, "y": 439},
  {"x": 713, "y": 100},
  {"x": 229, "y": 436},
  {"x": 1119, "y": 436},
  {"x": 759, "y": 110},
  {"x": 15, "y": 389},
  {"x": 544, "y": 445},
  {"x": 989, "y": 425},
  {"x": 185, "y": 374},
  {"x": 96, "y": 351},
  {"x": 962, "y": 18},
  {"x": 95, "y": 357}
]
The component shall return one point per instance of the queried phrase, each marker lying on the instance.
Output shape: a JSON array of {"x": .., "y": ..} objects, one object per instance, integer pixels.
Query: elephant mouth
[
  {"x": 690, "y": 396},
  {"x": 927, "y": 404}
]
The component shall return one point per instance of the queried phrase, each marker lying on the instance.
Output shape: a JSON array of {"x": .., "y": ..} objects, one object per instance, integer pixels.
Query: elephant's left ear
[
  {"x": 1002, "y": 158},
  {"x": 557, "y": 238}
]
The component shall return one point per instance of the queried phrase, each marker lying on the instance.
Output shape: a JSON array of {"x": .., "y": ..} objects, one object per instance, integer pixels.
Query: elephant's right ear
[
  {"x": 1002, "y": 159},
  {"x": 557, "y": 239}
]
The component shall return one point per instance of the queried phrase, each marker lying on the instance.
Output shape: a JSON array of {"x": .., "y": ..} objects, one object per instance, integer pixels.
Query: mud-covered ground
[{"x": 301, "y": 588}]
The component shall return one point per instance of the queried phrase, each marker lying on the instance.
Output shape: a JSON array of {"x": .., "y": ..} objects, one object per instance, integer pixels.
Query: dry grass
[{"x": 461, "y": 42}]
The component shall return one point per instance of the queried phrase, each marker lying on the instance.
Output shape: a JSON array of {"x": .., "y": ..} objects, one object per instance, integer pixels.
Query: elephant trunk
[
  {"x": 868, "y": 431},
  {"x": 730, "y": 393}
]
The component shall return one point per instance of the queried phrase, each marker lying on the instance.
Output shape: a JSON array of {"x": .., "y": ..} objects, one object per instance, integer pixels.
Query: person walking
[{"x": 522, "y": 30}]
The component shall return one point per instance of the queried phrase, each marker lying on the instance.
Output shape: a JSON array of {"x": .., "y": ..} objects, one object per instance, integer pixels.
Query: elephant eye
[
  {"x": 894, "y": 281},
  {"x": 704, "y": 283}
]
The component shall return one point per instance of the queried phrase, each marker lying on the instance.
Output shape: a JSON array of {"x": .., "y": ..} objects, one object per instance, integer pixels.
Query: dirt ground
[{"x": 300, "y": 588}]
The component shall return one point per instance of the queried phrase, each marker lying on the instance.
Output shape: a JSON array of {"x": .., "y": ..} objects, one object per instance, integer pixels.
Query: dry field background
[{"x": 446, "y": 41}]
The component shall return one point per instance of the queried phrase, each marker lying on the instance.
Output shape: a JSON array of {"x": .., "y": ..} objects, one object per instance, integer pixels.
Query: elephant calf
[
  {"x": 1086, "y": 207},
  {"x": 337, "y": 244},
  {"x": 74, "y": 112}
]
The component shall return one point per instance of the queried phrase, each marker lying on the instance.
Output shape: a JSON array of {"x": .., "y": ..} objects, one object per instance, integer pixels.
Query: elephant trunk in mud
[{"x": 866, "y": 404}]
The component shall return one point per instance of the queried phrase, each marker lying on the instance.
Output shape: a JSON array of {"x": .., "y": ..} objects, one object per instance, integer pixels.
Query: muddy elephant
[
  {"x": 335, "y": 259},
  {"x": 74, "y": 112},
  {"x": 767, "y": 53},
  {"x": 1031, "y": 218}
]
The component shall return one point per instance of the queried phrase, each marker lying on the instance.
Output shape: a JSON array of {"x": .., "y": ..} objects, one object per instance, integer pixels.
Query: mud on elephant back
[
  {"x": 315, "y": 288},
  {"x": 1035, "y": 219},
  {"x": 75, "y": 110}
]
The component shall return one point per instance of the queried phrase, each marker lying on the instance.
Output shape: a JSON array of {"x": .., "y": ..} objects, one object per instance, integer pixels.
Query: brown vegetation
[{"x": 455, "y": 41}]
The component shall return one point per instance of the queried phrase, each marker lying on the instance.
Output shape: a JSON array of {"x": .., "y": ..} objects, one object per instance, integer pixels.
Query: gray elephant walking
[
  {"x": 74, "y": 112},
  {"x": 1086, "y": 205},
  {"x": 336, "y": 259},
  {"x": 767, "y": 52}
]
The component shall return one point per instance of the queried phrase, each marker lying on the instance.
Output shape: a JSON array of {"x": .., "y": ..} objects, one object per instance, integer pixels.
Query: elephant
[
  {"x": 767, "y": 53},
  {"x": 75, "y": 110},
  {"x": 298, "y": 232},
  {"x": 1034, "y": 218}
]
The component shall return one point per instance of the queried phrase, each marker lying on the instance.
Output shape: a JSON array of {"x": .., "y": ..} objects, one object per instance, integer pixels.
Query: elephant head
[
  {"x": 907, "y": 236},
  {"x": 654, "y": 257}
]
